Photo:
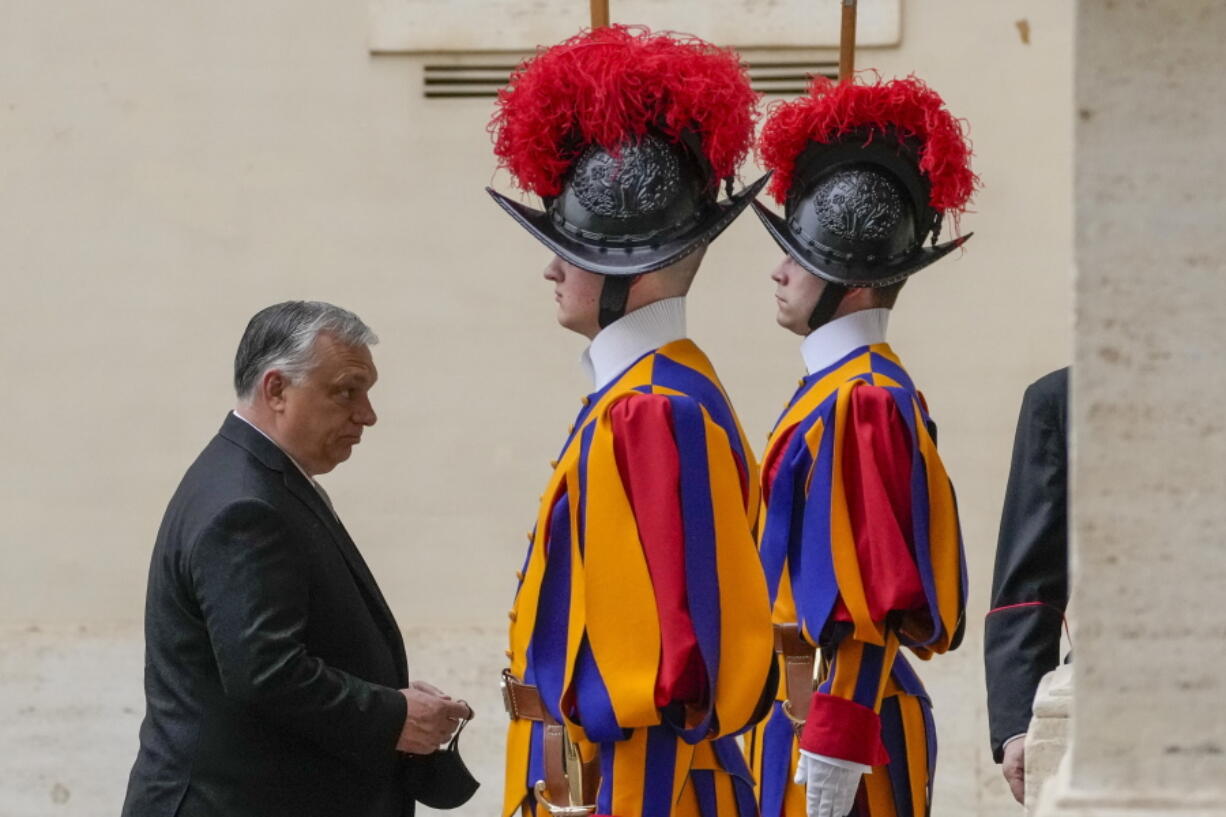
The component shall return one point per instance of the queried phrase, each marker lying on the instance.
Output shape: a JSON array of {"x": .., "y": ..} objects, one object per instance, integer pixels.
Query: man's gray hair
[{"x": 282, "y": 337}]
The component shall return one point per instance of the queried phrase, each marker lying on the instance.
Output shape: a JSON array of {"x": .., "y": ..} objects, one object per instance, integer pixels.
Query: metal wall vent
[{"x": 477, "y": 80}]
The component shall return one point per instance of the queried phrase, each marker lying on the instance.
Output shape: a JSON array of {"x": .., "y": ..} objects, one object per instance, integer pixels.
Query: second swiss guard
[{"x": 859, "y": 534}]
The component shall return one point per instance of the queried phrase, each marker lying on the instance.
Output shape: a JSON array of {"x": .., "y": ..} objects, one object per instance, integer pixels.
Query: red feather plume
[
  {"x": 908, "y": 105},
  {"x": 607, "y": 86}
]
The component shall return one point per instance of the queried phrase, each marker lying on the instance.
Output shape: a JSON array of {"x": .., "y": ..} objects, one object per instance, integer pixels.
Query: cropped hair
[{"x": 282, "y": 337}]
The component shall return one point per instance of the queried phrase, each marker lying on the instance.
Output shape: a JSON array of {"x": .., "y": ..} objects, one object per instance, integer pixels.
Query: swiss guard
[
  {"x": 859, "y": 535},
  {"x": 640, "y": 637}
]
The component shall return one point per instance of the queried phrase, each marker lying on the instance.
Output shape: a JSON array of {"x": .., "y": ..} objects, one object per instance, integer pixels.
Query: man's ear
[{"x": 272, "y": 389}]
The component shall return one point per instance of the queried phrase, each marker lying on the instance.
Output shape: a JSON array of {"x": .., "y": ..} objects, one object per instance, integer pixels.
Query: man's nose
[
  {"x": 365, "y": 413},
  {"x": 553, "y": 271}
]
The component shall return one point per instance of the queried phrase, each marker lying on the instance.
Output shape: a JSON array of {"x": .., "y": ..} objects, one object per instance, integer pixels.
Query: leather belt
[
  {"x": 522, "y": 701},
  {"x": 799, "y": 662},
  {"x": 569, "y": 782}
]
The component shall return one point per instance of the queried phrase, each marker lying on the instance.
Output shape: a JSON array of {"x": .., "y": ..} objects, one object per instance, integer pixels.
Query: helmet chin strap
[
  {"x": 827, "y": 304},
  {"x": 614, "y": 294}
]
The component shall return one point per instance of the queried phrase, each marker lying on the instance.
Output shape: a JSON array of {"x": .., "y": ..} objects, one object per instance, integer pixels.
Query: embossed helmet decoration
[
  {"x": 866, "y": 174},
  {"x": 626, "y": 135}
]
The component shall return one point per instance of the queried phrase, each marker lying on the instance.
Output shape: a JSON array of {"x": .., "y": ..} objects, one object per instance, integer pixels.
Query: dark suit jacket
[
  {"x": 272, "y": 662},
  {"x": 1021, "y": 641}
]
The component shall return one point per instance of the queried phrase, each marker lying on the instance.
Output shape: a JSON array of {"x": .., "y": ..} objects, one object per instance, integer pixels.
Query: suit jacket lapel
[
  {"x": 239, "y": 431},
  {"x": 302, "y": 489}
]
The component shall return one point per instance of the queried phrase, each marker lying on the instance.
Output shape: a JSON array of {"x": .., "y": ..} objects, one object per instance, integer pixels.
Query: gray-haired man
[{"x": 275, "y": 676}]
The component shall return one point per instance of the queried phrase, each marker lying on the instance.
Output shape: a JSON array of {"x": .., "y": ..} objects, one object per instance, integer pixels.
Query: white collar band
[
  {"x": 630, "y": 337},
  {"x": 831, "y": 341}
]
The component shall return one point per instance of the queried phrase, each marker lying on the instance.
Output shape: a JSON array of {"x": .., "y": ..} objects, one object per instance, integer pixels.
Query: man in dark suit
[
  {"x": 1030, "y": 583},
  {"x": 275, "y": 675}
]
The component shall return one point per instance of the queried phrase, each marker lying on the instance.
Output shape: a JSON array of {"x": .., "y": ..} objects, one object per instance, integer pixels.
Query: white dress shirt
[
  {"x": 630, "y": 337},
  {"x": 831, "y": 341}
]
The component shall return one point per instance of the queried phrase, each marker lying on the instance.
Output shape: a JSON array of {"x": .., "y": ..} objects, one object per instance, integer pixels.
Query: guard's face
[
  {"x": 577, "y": 293},
  {"x": 796, "y": 294},
  {"x": 323, "y": 416}
]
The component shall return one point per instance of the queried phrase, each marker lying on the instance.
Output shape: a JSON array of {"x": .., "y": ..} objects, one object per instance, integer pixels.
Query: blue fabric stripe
[
  {"x": 777, "y": 740},
  {"x": 698, "y": 521},
  {"x": 930, "y": 737},
  {"x": 547, "y": 649},
  {"x": 592, "y": 698},
  {"x": 670, "y": 373},
  {"x": 810, "y": 559},
  {"x": 728, "y": 751},
  {"x": 907, "y": 679},
  {"x": 868, "y": 680},
  {"x": 784, "y": 512},
  {"x": 536, "y": 757},
  {"x": 659, "y": 770},
  {"x": 585, "y": 443},
  {"x": 604, "y": 795},
  {"x": 887, "y": 367},
  {"x": 895, "y": 741},
  {"x": 703, "y": 781}
]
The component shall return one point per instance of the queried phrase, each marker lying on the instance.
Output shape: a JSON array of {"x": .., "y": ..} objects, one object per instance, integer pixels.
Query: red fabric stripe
[
  {"x": 774, "y": 458},
  {"x": 651, "y": 471},
  {"x": 877, "y": 480},
  {"x": 837, "y": 727}
]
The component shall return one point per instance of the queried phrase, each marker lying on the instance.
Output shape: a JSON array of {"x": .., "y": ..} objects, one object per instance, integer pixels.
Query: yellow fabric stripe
[
  {"x": 813, "y": 441},
  {"x": 887, "y": 666},
  {"x": 687, "y": 803},
  {"x": 744, "y": 607},
  {"x": 622, "y": 600},
  {"x": 917, "y": 752},
  {"x": 519, "y": 742},
  {"x": 725, "y": 795},
  {"x": 681, "y": 768},
  {"x": 942, "y": 536},
  {"x": 629, "y": 761},
  {"x": 880, "y": 794},
  {"x": 752, "y": 746},
  {"x": 785, "y": 603},
  {"x": 523, "y": 615},
  {"x": 824, "y": 387},
  {"x": 847, "y": 660},
  {"x": 885, "y": 382},
  {"x": 577, "y": 610},
  {"x": 842, "y": 539}
]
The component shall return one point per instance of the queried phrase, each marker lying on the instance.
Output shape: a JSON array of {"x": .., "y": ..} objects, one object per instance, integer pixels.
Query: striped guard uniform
[
  {"x": 642, "y": 613},
  {"x": 861, "y": 545}
]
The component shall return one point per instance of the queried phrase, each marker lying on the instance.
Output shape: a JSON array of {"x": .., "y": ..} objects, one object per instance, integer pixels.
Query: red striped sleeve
[{"x": 650, "y": 469}]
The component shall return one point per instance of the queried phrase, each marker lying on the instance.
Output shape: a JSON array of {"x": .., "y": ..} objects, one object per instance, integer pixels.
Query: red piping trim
[{"x": 1063, "y": 620}]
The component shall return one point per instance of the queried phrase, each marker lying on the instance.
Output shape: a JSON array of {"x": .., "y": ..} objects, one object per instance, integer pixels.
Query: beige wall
[{"x": 168, "y": 169}]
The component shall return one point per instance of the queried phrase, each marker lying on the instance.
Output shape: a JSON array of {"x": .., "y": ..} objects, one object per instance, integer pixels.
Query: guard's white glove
[{"x": 830, "y": 783}]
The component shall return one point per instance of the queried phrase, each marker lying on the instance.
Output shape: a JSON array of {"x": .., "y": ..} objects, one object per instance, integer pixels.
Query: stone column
[
  {"x": 1148, "y": 475},
  {"x": 1048, "y": 735}
]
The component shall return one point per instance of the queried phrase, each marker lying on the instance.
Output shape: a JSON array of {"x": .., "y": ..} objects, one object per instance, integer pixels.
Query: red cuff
[{"x": 837, "y": 727}]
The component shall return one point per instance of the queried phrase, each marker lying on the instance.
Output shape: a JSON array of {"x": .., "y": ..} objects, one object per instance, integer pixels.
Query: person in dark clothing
[
  {"x": 1030, "y": 585},
  {"x": 276, "y": 683}
]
